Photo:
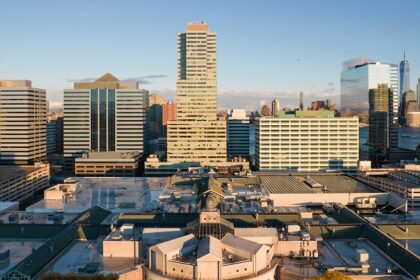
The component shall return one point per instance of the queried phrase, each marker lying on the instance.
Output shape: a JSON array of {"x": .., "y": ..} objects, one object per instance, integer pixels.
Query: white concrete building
[{"x": 307, "y": 141}]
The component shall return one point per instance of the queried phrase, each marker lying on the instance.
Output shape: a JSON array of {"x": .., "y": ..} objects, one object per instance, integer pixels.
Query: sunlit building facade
[
  {"x": 307, "y": 141},
  {"x": 104, "y": 115},
  {"x": 23, "y": 119},
  {"x": 358, "y": 80},
  {"x": 196, "y": 135}
]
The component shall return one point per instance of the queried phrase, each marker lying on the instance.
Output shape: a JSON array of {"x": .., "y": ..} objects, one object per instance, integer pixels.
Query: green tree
[{"x": 332, "y": 276}]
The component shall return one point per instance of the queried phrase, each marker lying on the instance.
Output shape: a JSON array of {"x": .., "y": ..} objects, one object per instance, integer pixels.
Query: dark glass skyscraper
[
  {"x": 380, "y": 123},
  {"x": 404, "y": 78}
]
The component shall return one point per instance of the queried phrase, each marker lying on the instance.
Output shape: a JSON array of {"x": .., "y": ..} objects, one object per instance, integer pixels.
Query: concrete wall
[
  {"x": 136, "y": 274},
  {"x": 237, "y": 270},
  {"x": 283, "y": 248},
  {"x": 179, "y": 269},
  {"x": 208, "y": 269},
  {"x": 261, "y": 257},
  {"x": 121, "y": 249}
]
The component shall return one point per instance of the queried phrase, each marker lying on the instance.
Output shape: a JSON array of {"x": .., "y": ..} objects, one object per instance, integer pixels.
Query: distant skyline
[{"x": 266, "y": 49}]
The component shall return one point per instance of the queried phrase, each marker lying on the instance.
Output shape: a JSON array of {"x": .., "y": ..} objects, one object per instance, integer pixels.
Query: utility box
[{"x": 362, "y": 255}]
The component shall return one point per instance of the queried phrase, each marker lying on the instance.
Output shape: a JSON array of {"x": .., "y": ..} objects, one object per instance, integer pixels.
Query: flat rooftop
[
  {"x": 25, "y": 218},
  {"x": 124, "y": 195},
  {"x": 412, "y": 245},
  {"x": 296, "y": 183},
  {"x": 393, "y": 218},
  {"x": 91, "y": 156},
  {"x": 19, "y": 249},
  {"x": 341, "y": 253},
  {"x": 7, "y": 205},
  {"x": 80, "y": 253}
]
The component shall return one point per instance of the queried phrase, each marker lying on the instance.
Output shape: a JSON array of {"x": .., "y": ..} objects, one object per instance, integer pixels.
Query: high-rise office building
[
  {"x": 238, "y": 137},
  {"x": 380, "y": 122},
  {"x": 23, "y": 118},
  {"x": 154, "y": 119},
  {"x": 307, "y": 141},
  {"x": 55, "y": 133},
  {"x": 404, "y": 77},
  {"x": 408, "y": 97},
  {"x": 356, "y": 83},
  {"x": 168, "y": 114},
  {"x": 51, "y": 136},
  {"x": 104, "y": 115},
  {"x": 358, "y": 80},
  {"x": 418, "y": 90},
  {"x": 275, "y": 106},
  {"x": 196, "y": 135},
  {"x": 301, "y": 105}
]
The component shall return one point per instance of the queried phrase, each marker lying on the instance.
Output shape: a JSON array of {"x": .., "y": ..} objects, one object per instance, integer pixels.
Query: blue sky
[{"x": 266, "y": 48}]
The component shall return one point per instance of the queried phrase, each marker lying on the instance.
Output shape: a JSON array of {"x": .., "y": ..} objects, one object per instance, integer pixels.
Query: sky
[{"x": 266, "y": 48}]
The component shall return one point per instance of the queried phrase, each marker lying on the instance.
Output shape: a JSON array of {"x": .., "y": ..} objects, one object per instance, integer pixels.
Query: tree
[
  {"x": 74, "y": 276},
  {"x": 334, "y": 275}
]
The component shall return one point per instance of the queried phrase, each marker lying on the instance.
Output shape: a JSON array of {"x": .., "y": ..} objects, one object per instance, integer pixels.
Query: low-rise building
[
  {"x": 21, "y": 183},
  {"x": 114, "y": 164},
  {"x": 210, "y": 251},
  {"x": 122, "y": 243}
]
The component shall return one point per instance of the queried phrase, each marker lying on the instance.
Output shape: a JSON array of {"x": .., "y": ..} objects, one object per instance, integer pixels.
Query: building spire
[{"x": 404, "y": 55}]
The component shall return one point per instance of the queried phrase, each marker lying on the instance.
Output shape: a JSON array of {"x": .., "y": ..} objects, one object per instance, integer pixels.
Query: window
[
  {"x": 111, "y": 119},
  {"x": 102, "y": 119},
  {"x": 94, "y": 119}
]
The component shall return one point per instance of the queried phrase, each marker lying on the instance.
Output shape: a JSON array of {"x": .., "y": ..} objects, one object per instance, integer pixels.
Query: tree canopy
[
  {"x": 332, "y": 276},
  {"x": 74, "y": 276}
]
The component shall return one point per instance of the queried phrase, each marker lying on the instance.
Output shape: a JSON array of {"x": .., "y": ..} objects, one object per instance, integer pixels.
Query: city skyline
[{"x": 281, "y": 67}]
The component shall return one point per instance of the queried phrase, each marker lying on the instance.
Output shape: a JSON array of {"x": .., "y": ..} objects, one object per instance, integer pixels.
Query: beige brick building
[
  {"x": 197, "y": 135},
  {"x": 23, "y": 117}
]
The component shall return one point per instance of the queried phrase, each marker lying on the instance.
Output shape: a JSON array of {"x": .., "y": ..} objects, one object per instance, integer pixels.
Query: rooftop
[
  {"x": 302, "y": 114},
  {"x": 119, "y": 194},
  {"x": 300, "y": 184},
  {"x": 107, "y": 156},
  {"x": 106, "y": 81},
  {"x": 83, "y": 254},
  {"x": 15, "y": 83},
  {"x": 22, "y": 217},
  {"x": 19, "y": 249}
]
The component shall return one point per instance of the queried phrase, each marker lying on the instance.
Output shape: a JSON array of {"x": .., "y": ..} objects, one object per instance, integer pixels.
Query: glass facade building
[
  {"x": 358, "y": 80},
  {"x": 404, "y": 76},
  {"x": 104, "y": 115},
  {"x": 356, "y": 83},
  {"x": 380, "y": 119}
]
